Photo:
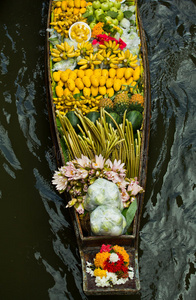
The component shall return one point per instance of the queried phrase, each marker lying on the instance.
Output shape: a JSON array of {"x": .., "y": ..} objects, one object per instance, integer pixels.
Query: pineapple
[
  {"x": 137, "y": 103},
  {"x": 121, "y": 102},
  {"x": 137, "y": 98},
  {"x": 106, "y": 103}
]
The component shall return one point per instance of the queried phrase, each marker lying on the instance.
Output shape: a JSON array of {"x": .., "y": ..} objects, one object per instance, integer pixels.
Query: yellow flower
[
  {"x": 100, "y": 273},
  {"x": 100, "y": 258},
  {"x": 121, "y": 250}
]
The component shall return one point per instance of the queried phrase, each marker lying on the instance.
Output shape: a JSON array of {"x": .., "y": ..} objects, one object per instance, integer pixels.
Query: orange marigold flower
[
  {"x": 100, "y": 259},
  {"x": 97, "y": 29},
  {"x": 99, "y": 272},
  {"x": 121, "y": 250}
]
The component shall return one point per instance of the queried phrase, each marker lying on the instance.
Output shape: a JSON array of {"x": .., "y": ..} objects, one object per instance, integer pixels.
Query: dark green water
[{"x": 39, "y": 258}]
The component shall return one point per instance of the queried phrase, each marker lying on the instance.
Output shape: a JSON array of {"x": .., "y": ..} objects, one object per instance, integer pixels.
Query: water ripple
[
  {"x": 6, "y": 149},
  {"x": 168, "y": 235}
]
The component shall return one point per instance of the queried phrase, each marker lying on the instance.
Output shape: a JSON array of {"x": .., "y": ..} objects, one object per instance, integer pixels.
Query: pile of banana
[
  {"x": 70, "y": 102},
  {"x": 84, "y": 48},
  {"x": 66, "y": 13},
  {"x": 63, "y": 51},
  {"x": 101, "y": 71},
  {"x": 109, "y": 55}
]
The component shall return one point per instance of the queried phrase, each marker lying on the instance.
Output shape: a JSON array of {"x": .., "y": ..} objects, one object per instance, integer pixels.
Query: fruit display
[
  {"x": 96, "y": 66},
  {"x": 97, "y": 90}
]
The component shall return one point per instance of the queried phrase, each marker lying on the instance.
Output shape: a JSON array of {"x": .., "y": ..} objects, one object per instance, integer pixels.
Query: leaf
[
  {"x": 64, "y": 149},
  {"x": 59, "y": 126},
  {"x": 107, "y": 27},
  {"x": 102, "y": 18},
  {"x": 58, "y": 122},
  {"x": 112, "y": 14},
  {"x": 132, "y": 22},
  {"x": 128, "y": 14},
  {"x": 90, "y": 19},
  {"x": 86, "y": 14},
  {"x": 130, "y": 213},
  {"x": 77, "y": 96}
]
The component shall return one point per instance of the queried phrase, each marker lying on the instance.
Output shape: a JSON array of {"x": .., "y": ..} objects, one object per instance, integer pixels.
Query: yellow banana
[
  {"x": 60, "y": 47},
  {"x": 110, "y": 43},
  {"x": 113, "y": 56},
  {"x": 121, "y": 55},
  {"x": 134, "y": 57},
  {"x": 55, "y": 51},
  {"x": 100, "y": 57},
  {"x": 97, "y": 62},
  {"x": 133, "y": 65},
  {"x": 107, "y": 44},
  {"x": 57, "y": 59},
  {"x": 82, "y": 61},
  {"x": 84, "y": 67},
  {"x": 108, "y": 54},
  {"x": 55, "y": 54},
  {"x": 102, "y": 46},
  {"x": 66, "y": 46},
  {"x": 71, "y": 54}
]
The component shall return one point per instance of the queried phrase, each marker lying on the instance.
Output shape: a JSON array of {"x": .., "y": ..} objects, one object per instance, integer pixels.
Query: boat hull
[{"x": 90, "y": 245}]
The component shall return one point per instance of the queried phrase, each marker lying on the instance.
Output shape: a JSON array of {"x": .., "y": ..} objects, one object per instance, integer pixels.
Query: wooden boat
[{"x": 89, "y": 245}]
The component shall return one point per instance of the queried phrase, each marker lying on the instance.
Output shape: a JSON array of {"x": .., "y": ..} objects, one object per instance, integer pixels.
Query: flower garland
[
  {"x": 111, "y": 266},
  {"x": 77, "y": 175}
]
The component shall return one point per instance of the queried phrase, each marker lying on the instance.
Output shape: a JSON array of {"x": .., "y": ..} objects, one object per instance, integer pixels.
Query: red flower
[
  {"x": 116, "y": 267},
  {"x": 100, "y": 39},
  {"x": 105, "y": 248},
  {"x": 122, "y": 44}
]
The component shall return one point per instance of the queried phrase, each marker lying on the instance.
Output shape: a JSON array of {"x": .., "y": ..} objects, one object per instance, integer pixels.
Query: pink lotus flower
[
  {"x": 123, "y": 184},
  {"x": 60, "y": 181},
  {"x": 79, "y": 208},
  {"x": 84, "y": 161},
  {"x": 124, "y": 195},
  {"x": 81, "y": 174},
  {"x": 77, "y": 175},
  {"x": 113, "y": 176},
  {"x": 99, "y": 162},
  {"x": 134, "y": 188},
  {"x": 117, "y": 166},
  {"x": 69, "y": 170}
]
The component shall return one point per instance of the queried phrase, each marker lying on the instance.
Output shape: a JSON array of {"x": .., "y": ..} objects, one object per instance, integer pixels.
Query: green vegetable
[
  {"x": 93, "y": 116},
  {"x": 112, "y": 14},
  {"x": 135, "y": 117},
  {"x": 116, "y": 117},
  {"x": 128, "y": 14},
  {"x": 96, "y": 4},
  {"x": 74, "y": 120}
]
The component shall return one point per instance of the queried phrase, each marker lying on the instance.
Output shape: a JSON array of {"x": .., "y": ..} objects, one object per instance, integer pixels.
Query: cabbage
[
  {"x": 102, "y": 192},
  {"x": 125, "y": 23},
  {"x": 54, "y": 40},
  {"x": 107, "y": 220},
  {"x": 65, "y": 64}
]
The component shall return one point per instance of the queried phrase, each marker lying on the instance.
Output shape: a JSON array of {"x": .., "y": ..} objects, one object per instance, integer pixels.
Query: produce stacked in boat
[{"x": 97, "y": 82}]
